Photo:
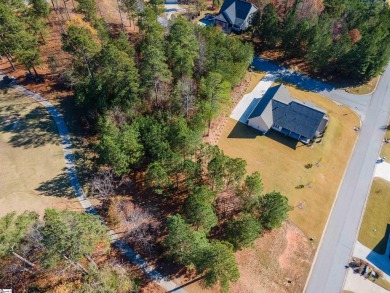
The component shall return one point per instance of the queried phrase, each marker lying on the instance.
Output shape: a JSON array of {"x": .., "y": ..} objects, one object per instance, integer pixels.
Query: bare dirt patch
[{"x": 279, "y": 262}]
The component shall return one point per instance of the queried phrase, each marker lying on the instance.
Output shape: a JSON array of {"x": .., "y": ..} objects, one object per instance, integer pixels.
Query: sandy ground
[
  {"x": 32, "y": 163},
  {"x": 278, "y": 257}
]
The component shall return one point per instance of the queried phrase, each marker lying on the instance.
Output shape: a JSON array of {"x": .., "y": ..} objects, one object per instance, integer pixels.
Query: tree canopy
[{"x": 349, "y": 38}]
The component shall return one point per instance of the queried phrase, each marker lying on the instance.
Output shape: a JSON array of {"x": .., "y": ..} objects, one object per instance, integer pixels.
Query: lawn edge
[
  {"x": 331, "y": 210},
  {"x": 364, "y": 209}
]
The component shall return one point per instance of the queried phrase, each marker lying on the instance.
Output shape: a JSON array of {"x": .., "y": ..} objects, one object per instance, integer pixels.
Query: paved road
[
  {"x": 149, "y": 271},
  {"x": 328, "y": 272},
  {"x": 359, "y": 103}
]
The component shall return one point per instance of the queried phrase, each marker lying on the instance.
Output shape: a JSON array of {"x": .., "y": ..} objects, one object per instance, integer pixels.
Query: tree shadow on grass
[
  {"x": 58, "y": 186},
  {"x": 35, "y": 129}
]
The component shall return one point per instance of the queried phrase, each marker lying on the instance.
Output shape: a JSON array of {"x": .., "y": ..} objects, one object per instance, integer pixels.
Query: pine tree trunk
[
  {"x": 54, "y": 7},
  {"x": 36, "y": 73},
  {"x": 76, "y": 264},
  {"x": 23, "y": 259},
  {"x": 10, "y": 61},
  {"x": 100, "y": 12},
  {"x": 62, "y": 17},
  {"x": 91, "y": 260},
  {"x": 66, "y": 9},
  {"x": 89, "y": 69},
  {"x": 120, "y": 15},
  {"x": 43, "y": 38}
]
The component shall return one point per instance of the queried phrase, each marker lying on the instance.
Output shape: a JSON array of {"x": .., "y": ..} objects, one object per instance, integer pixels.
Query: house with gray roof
[
  {"x": 235, "y": 15},
  {"x": 278, "y": 110}
]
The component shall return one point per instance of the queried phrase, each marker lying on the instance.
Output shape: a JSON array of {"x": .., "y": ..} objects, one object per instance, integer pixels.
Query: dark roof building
[
  {"x": 278, "y": 110},
  {"x": 235, "y": 15}
]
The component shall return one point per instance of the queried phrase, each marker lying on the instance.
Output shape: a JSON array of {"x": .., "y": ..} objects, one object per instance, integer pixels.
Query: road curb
[
  {"x": 370, "y": 93},
  {"x": 331, "y": 210},
  {"x": 364, "y": 209}
]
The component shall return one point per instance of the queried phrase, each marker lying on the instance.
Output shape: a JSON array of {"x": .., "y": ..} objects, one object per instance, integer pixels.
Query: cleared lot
[
  {"x": 32, "y": 162},
  {"x": 281, "y": 162}
]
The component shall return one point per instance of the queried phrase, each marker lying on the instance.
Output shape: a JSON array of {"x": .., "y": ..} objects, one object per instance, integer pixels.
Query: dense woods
[
  {"x": 346, "y": 39},
  {"x": 150, "y": 100},
  {"x": 62, "y": 245},
  {"x": 23, "y": 27}
]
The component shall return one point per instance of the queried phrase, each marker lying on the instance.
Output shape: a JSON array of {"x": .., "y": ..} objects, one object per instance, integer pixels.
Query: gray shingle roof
[
  {"x": 303, "y": 119},
  {"x": 263, "y": 102},
  {"x": 236, "y": 11}
]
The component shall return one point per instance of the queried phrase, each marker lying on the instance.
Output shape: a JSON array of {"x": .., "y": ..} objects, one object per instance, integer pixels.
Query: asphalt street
[
  {"x": 328, "y": 272},
  {"x": 359, "y": 103}
]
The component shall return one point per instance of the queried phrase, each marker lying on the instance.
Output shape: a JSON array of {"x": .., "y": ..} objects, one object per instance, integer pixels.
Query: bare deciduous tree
[
  {"x": 103, "y": 184},
  {"x": 139, "y": 226},
  {"x": 187, "y": 88},
  {"x": 118, "y": 116}
]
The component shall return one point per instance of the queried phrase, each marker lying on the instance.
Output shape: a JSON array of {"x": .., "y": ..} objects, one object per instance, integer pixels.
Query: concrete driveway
[
  {"x": 248, "y": 102},
  {"x": 358, "y": 284}
]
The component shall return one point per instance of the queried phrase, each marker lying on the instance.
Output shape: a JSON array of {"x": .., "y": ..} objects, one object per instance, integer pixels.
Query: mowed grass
[
  {"x": 281, "y": 162},
  {"x": 32, "y": 162},
  {"x": 365, "y": 88},
  {"x": 375, "y": 228}
]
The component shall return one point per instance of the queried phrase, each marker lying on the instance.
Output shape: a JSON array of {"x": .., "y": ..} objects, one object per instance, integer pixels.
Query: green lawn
[
  {"x": 281, "y": 162},
  {"x": 32, "y": 175},
  {"x": 375, "y": 228}
]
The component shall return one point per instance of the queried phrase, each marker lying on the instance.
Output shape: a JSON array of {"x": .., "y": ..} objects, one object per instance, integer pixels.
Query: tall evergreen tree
[
  {"x": 183, "y": 48},
  {"x": 68, "y": 236}
]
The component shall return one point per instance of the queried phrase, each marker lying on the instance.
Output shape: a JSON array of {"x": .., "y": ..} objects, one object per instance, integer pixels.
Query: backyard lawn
[
  {"x": 375, "y": 228},
  {"x": 281, "y": 162},
  {"x": 32, "y": 163}
]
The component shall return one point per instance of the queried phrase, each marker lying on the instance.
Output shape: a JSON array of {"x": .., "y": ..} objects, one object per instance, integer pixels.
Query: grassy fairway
[
  {"x": 376, "y": 217},
  {"x": 281, "y": 162},
  {"x": 32, "y": 163}
]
